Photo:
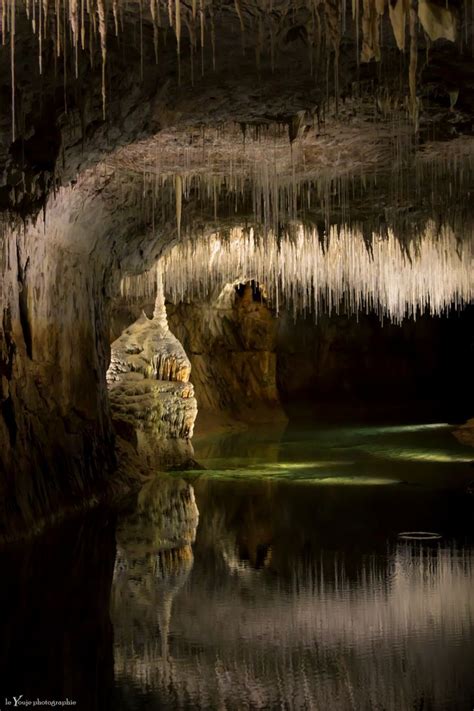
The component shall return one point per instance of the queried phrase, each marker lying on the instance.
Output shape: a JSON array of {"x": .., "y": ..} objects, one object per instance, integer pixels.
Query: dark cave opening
[{"x": 340, "y": 365}]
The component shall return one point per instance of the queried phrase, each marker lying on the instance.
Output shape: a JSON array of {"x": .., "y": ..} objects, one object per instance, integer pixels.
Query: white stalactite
[{"x": 310, "y": 275}]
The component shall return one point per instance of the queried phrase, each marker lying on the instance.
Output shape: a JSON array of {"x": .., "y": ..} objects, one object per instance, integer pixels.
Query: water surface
[
  {"x": 297, "y": 592},
  {"x": 272, "y": 578}
]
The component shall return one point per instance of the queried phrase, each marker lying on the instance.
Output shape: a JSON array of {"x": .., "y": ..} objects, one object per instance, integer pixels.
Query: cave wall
[
  {"x": 58, "y": 274},
  {"x": 53, "y": 408},
  {"x": 231, "y": 343}
]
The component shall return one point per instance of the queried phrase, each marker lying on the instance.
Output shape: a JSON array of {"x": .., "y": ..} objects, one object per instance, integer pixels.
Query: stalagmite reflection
[
  {"x": 154, "y": 559},
  {"x": 309, "y": 272}
]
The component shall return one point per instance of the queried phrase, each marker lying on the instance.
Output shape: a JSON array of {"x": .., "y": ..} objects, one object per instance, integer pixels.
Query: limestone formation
[
  {"x": 304, "y": 271},
  {"x": 149, "y": 390},
  {"x": 231, "y": 343}
]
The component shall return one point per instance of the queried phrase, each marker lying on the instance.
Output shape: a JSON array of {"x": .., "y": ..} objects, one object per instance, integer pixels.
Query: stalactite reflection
[{"x": 279, "y": 613}]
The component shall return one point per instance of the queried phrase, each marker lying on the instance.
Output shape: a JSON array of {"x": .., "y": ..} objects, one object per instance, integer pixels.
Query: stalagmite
[{"x": 159, "y": 311}]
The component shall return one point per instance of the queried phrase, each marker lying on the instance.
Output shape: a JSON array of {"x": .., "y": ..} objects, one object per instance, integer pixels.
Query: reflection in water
[
  {"x": 300, "y": 597},
  {"x": 286, "y": 595},
  {"x": 154, "y": 559}
]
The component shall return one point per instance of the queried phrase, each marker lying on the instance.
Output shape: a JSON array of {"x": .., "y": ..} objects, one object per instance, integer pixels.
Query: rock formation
[
  {"x": 465, "y": 433},
  {"x": 151, "y": 398},
  {"x": 231, "y": 342}
]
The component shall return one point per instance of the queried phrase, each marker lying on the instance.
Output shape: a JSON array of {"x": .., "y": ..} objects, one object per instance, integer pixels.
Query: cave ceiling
[{"x": 183, "y": 114}]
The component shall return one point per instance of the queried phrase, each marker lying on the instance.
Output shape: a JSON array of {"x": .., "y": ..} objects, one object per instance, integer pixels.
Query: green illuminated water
[{"x": 418, "y": 454}]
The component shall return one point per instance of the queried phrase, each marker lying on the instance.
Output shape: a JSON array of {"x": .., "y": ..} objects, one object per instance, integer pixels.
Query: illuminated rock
[{"x": 149, "y": 389}]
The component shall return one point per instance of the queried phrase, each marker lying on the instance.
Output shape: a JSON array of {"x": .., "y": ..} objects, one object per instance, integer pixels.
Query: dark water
[{"x": 274, "y": 579}]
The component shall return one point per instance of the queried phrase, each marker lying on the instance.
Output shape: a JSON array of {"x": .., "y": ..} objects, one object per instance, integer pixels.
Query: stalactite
[
  {"x": 241, "y": 22},
  {"x": 4, "y": 23},
  {"x": 153, "y": 12},
  {"x": 356, "y": 20},
  {"x": 213, "y": 36},
  {"x": 12, "y": 49},
  {"x": 83, "y": 26},
  {"x": 201, "y": 27},
  {"x": 64, "y": 61},
  {"x": 116, "y": 18},
  {"x": 413, "y": 62},
  {"x": 333, "y": 25},
  {"x": 192, "y": 38},
  {"x": 40, "y": 37},
  {"x": 370, "y": 32},
  {"x": 58, "y": 31},
  {"x": 178, "y": 35},
  {"x": 437, "y": 21},
  {"x": 45, "y": 16},
  {"x": 140, "y": 6},
  {"x": 259, "y": 43},
  {"x": 73, "y": 12},
  {"x": 398, "y": 14},
  {"x": 307, "y": 273},
  {"x": 179, "y": 198},
  {"x": 67, "y": 22},
  {"x": 103, "y": 46}
]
